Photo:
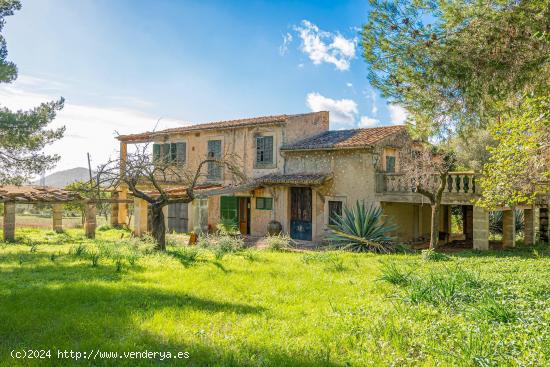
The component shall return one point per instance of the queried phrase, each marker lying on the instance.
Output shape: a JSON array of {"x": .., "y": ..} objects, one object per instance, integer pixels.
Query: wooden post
[
  {"x": 123, "y": 193},
  {"x": 57, "y": 217},
  {"x": 9, "y": 222},
  {"x": 90, "y": 225}
]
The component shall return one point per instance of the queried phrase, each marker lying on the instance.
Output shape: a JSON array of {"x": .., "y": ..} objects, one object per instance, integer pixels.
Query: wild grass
[
  {"x": 278, "y": 242},
  {"x": 267, "y": 308}
]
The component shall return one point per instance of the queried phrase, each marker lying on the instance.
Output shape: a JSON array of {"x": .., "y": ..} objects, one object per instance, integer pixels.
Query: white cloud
[
  {"x": 283, "y": 48},
  {"x": 88, "y": 128},
  {"x": 342, "y": 111},
  {"x": 374, "y": 108},
  {"x": 367, "y": 121},
  {"x": 321, "y": 46},
  {"x": 398, "y": 114},
  {"x": 349, "y": 84}
]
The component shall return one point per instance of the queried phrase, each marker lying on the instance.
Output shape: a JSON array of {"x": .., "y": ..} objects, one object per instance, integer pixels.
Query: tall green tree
[
  {"x": 457, "y": 65},
  {"x": 23, "y": 134},
  {"x": 460, "y": 67}
]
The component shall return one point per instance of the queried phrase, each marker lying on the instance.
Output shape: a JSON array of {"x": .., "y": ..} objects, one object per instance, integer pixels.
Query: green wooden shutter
[
  {"x": 173, "y": 153},
  {"x": 156, "y": 152},
  {"x": 165, "y": 153},
  {"x": 180, "y": 153},
  {"x": 390, "y": 164},
  {"x": 228, "y": 208},
  {"x": 214, "y": 151}
]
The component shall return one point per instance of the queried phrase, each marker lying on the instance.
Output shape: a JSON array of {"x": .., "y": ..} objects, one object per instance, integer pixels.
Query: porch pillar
[
  {"x": 9, "y": 222},
  {"x": 445, "y": 224},
  {"x": 480, "y": 228},
  {"x": 122, "y": 211},
  {"x": 509, "y": 228},
  {"x": 140, "y": 217},
  {"x": 57, "y": 217},
  {"x": 544, "y": 225},
  {"x": 90, "y": 225},
  {"x": 530, "y": 225}
]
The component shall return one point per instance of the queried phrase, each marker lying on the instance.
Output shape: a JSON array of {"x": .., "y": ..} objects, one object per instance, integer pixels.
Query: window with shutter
[
  {"x": 215, "y": 152},
  {"x": 180, "y": 153},
  {"x": 156, "y": 152},
  {"x": 264, "y": 150},
  {"x": 165, "y": 153},
  {"x": 173, "y": 153},
  {"x": 334, "y": 210}
]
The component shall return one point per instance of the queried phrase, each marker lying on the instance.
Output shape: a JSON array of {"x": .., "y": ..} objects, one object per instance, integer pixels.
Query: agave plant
[
  {"x": 496, "y": 221},
  {"x": 361, "y": 229}
]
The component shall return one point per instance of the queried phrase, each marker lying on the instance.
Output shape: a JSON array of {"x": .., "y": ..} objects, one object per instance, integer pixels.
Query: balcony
[{"x": 460, "y": 188}]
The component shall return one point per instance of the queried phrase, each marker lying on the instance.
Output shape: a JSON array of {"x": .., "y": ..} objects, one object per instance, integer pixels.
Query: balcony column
[
  {"x": 140, "y": 217},
  {"x": 57, "y": 217},
  {"x": 480, "y": 220},
  {"x": 91, "y": 223},
  {"x": 509, "y": 228},
  {"x": 530, "y": 225},
  {"x": 9, "y": 222}
]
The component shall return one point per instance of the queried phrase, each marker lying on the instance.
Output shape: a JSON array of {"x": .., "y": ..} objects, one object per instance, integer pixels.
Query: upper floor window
[
  {"x": 390, "y": 160},
  {"x": 170, "y": 153},
  {"x": 264, "y": 150},
  {"x": 214, "y": 152}
]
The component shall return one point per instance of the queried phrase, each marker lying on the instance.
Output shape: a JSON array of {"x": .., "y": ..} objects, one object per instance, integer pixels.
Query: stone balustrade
[{"x": 457, "y": 183}]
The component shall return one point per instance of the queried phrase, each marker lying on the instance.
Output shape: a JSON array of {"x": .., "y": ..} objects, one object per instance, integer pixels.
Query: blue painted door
[{"x": 300, "y": 213}]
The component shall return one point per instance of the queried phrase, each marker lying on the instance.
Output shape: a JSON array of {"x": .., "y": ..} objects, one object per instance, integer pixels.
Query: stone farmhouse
[{"x": 301, "y": 173}]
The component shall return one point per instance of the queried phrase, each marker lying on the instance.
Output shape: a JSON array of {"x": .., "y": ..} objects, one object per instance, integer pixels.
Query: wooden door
[
  {"x": 300, "y": 213},
  {"x": 244, "y": 215},
  {"x": 178, "y": 218}
]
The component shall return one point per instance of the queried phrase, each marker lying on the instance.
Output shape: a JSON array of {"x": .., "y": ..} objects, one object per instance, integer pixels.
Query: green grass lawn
[{"x": 262, "y": 308}]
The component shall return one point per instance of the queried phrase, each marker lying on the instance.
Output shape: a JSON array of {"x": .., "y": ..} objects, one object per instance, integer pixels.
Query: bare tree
[
  {"x": 426, "y": 169},
  {"x": 146, "y": 177}
]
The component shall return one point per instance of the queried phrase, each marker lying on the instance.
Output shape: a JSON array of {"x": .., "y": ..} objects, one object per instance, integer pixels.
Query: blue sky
[{"x": 121, "y": 65}]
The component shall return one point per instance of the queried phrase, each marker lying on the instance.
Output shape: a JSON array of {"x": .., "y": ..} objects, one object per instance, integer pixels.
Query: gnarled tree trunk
[
  {"x": 159, "y": 228},
  {"x": 434, "y": 233}
]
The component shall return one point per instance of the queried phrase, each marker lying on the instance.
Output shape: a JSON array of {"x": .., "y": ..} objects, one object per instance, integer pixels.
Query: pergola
[{"x": 13, "y": 195}]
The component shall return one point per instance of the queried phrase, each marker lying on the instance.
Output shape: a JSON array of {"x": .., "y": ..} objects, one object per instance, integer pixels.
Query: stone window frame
[
  {"x": 386, "y": 153},
  {"x": 343, "y": 199}
]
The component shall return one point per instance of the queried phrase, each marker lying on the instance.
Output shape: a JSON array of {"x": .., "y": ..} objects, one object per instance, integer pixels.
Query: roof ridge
[{"x": 221, "y": 124}]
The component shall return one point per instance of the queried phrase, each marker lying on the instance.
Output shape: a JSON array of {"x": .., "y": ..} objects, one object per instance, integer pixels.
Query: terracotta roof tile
[
  {"x": 342, "y": 139},
  {"x": 33, "y": 194},
  {"x": 227, "y": 124},
  {"x": 293, "y": 179}
]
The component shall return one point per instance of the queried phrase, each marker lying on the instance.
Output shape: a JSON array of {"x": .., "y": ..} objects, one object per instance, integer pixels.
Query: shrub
[
  {"x": 104, "y": 228},
  {"x": 391, "y": 273},
  {"x": 432, "y": 255},
  {"x": 186, "y": 255},
  {"x": 78, "y": 250},
  {"x": 94, "y": 254},
  {"x": 361, "y": 229},
  {"x": 496, "y": 220},
  {"x": 221, "y": 245},
  {"x": 278, "y": 242},
  {"x": 228, "y": 227}
]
